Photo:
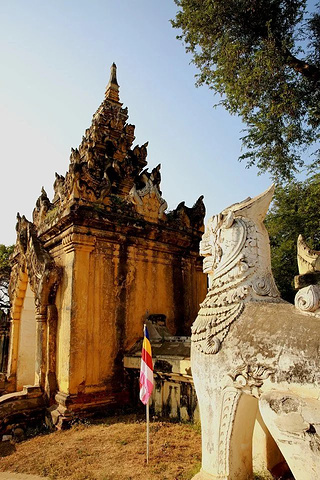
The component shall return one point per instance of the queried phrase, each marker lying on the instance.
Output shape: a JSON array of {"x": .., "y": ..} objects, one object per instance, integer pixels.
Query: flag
[{"x": 146, "y": 370}]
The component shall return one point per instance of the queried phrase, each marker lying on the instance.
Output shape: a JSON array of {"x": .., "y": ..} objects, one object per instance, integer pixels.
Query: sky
[{"x": 55, "y": 59}]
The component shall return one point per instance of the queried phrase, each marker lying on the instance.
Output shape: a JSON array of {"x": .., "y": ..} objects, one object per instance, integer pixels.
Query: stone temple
[{"x": 92, "y": 266}]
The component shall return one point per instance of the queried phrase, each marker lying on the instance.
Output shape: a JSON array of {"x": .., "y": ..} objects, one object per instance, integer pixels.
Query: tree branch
[{"x": 308, "y": 70}]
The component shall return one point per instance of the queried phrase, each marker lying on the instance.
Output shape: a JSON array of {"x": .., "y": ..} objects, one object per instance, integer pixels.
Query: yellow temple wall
[{"x": 106, "y": 293}]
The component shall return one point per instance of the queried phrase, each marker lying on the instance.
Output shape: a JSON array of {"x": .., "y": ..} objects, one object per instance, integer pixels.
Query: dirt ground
[{"x": 113, "y": 449}]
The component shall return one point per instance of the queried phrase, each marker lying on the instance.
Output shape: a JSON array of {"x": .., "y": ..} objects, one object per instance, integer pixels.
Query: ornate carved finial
[
  {"x": 112, "y": 91},
  {"x": 308, "y": 281},
  {"x": 308, "y": 259}
]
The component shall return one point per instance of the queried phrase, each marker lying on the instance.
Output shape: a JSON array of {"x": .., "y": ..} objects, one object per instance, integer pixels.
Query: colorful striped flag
[{"x": 146, "y": 370}]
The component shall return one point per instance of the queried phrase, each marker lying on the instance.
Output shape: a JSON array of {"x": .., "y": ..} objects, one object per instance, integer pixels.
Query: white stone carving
[
  {"x": 254, "y": 357},
  {"x": 231, "y": 398},
  {"x": 249, "y": 378},
  {"x": 237, "y": 260},
  {"x": 148, "y": 199},
  {"x": 308, "y": 259},
  {"x": 308, "y": 299}
]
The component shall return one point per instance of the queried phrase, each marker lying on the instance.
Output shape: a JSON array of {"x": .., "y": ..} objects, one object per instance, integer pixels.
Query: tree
[
  {"x": 295, "y": 209},
  {"x": 5, "y": 270},
  {"x": 263, "y": 58}
]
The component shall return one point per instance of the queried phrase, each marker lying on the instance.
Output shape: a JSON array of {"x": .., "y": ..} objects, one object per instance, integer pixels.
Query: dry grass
[{"x": 111, "y": 450}]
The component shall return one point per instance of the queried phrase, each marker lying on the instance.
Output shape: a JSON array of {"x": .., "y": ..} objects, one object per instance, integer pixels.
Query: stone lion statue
[{"x": 255, "y": 357}]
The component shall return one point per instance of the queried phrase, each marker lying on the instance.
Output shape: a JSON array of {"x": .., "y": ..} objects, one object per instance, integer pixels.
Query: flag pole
[
  {"x": 147, "y": 415},
  {"x": 146, "y": 379}
]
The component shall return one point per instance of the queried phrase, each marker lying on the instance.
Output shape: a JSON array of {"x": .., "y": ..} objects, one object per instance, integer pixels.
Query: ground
[{"x": 112, "y": 449}]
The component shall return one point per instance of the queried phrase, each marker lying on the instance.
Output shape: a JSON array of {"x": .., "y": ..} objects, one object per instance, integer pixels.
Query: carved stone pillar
[
  {"x": 41, "y": 360},
  {"x": 51, "y": 381},
  {"x": 72, "y": 363},
  {"x": 13, "y": 353},
  {"x": 81, "y": 246}
]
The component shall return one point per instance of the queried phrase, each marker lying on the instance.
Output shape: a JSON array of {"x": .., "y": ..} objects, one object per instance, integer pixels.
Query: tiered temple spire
[{"x": 106, "y": 166}]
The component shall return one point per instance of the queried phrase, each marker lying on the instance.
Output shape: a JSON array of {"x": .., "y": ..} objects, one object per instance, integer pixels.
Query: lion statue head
[{"x": 236, "y": 253}]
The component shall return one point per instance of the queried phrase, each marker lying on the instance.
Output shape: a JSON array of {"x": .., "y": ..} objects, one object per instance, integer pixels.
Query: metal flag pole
[{"x": 147, "y": 415}]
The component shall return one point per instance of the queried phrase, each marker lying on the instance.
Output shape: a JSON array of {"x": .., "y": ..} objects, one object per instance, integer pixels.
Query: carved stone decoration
[
  {"x": 250, "y": 378},
  {"x": 308, "y": 299},
  {"x": 58, "y": 188},
  {"x": 309, "y": 269},
  {"x": 31, "y": 257},
  {"x": 308, "y": 259},
  {"x": 43, "y": 205},
  {"x": 230, "y": 402},
  {"x": 146, "y": 195},
  {"x": 237, "y": 271},
  {"x": 191, "y": 217}
]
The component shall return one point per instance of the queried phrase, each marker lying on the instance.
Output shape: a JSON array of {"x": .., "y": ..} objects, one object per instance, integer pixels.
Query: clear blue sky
[{"x": 55, "y": 58}]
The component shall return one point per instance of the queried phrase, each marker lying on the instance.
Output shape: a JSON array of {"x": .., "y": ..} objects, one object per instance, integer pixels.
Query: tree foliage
[
  {"x": 263, "y": 58},
  {"x": 295, "y": 210},
  {"x": 5, "y": 270}
]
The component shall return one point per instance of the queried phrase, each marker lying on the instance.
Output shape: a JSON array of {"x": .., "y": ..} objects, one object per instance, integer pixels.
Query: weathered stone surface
[
  {"x": 21, "y": 408},
  {"x": 295, "y": 422},
  {"x": 252, "y": 351}
]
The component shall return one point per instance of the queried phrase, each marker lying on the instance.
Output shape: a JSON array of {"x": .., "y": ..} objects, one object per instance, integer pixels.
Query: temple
[{"x": 97, "y": 261}]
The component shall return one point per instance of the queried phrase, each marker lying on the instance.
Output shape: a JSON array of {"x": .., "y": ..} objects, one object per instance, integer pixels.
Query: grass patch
[{"x": 113, "y": 449}]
